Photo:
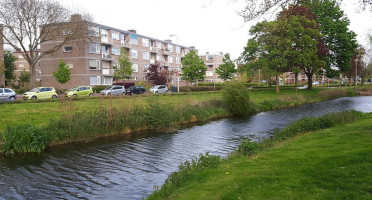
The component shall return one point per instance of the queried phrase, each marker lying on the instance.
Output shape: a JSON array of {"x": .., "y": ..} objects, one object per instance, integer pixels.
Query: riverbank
[
  {"x": 333, "y": 163},
  {"x": 85, "y": 120}
]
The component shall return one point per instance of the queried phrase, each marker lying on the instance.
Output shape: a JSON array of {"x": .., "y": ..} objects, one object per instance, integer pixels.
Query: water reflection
[{"x": 127, "y": 167}]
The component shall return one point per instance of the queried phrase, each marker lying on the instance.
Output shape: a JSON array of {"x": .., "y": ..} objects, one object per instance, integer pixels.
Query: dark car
[{"x": 136, "y": 90}]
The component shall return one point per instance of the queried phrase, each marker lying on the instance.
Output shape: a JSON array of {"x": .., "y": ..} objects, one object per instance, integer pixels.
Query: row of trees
[{"x": 312, "y": 37}]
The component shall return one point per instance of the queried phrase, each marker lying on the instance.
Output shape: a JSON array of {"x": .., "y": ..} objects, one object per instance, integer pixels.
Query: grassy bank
[
  {"x": 332, "y": 163},
  {"x": 68, "y": 120}
]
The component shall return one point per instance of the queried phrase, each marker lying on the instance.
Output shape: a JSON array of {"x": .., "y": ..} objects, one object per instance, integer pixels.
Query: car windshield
[
  {"x": 108, "y": 88},
  {"x": 34, "y": 90},
  {"x": 155, "y": 87}
]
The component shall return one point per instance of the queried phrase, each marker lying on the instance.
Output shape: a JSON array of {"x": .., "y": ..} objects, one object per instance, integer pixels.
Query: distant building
[
  {"x": 2, "y": 78},
  {"x": 93, "y": 62},
  {"x": 21, "y": 65},
  {"x": 212, "y": 61}
]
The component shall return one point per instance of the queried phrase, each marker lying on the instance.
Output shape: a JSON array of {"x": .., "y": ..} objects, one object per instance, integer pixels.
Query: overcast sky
[{"x": 211, "y": 26}]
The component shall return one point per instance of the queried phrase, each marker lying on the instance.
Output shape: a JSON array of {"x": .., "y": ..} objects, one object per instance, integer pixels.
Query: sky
[{"x": 209, "y": 25}]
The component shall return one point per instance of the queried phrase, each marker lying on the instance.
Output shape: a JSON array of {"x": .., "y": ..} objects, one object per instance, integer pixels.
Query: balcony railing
[
  {"x": 154, "y": 50},
  {"x": 106, "y": 40},
  {"x": 107, "y": 57},
  {"x": 125, "y": 44},
  {"x": 108, "y": 71}
]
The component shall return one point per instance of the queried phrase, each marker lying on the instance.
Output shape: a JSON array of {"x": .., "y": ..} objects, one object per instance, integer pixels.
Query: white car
[
  {"x": 159, "y": 89},
  {"x": 7, "y": 94},
  {"x": 114, "y": 90}
]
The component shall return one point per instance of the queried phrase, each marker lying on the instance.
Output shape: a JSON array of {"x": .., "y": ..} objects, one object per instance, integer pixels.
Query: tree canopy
[
  {"x": 9, "y": 60},
  {"x": 193, "y": 67},
  {"x": 155, "y": 75},
  {"x": 63, "y": 73},
  {"x": 227, "y": 69},
  {"x": 125, "y": 69}
]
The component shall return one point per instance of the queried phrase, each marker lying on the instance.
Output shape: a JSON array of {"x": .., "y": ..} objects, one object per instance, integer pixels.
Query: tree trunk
[
  {"x": 309, "y": 81},
  {"x": 350, "y": 82},
  {"x": 296, "y": 74},
  {"x": 32, "y": 77},
  {"x": 277, "y": 84},
  {"x": 196, "y": 82}
]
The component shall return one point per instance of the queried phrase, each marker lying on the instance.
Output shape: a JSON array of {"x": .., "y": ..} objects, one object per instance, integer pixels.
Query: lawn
[
  {"x": 39, "y": 113},
  {"x": 334, "y": 163}
]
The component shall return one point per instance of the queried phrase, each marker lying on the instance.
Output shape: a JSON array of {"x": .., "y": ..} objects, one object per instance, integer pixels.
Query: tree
[
  {"x": 2, "y": 71},
  {"x": 9, "y": 60},
  {"x": 29, "y": 23},
  {"x": 356, "y": 66},
  {"x": 155, "y": 74},
  {"x": 125, "y": 66},
  {"x": 227, "y": 69},
  {"x": 63, "y": 73},
  {"x": 193, "y": 67},
  {"x": 24, "y": 77}
]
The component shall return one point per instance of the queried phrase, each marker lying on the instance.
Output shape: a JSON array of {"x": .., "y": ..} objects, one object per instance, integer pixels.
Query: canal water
[{"x": 128, "y": 167}]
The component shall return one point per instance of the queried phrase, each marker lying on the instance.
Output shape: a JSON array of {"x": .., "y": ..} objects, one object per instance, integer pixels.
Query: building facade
[
  {"x": 94, "y": 61},
  {"x": 21, "y": 65},
  {"x": 2, "y": 78},
  {"x": 212, "y": 61}
]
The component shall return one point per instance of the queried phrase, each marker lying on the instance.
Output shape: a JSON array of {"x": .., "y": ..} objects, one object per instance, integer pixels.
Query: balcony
[
  {"x": 125, "y": 44},
  {"x": 108, "y": 72},
  {"x": 154, "y": 50},
  {"x": 107, "y": 41},
  {"x": 107, "y": 57}
]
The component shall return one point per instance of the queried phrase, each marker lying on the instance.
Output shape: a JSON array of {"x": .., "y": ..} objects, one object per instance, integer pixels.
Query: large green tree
[
  {"x": 9, "y": 60},
  {"x": 227, "y": 69},
  {"x": 63, "y": 73},
  {"x": 125, "y": 69},
  {"x": 193, "y": 67}
]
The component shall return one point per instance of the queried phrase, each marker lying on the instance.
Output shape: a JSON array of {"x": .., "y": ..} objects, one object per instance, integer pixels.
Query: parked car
[
  {"x": 7, "y": 94},
  {"x": 114, "y": 90},
  {"x": 79, "y": 91},
  {"x": 316, "y": 83},
  {"x": 40, "y": 93},
  {"x": 136, "y": 90},
  {"x": 159, "y": 89}
]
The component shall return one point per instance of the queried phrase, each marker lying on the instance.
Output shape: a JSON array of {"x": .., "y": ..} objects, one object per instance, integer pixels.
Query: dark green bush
[
  {"x": 235, "y": 97},
  {"x": 248, "y": 147},
  {"x": 97, "y": 89},
  {"x": 199, "y": 89},
  {"x": 23, "y": 139}
]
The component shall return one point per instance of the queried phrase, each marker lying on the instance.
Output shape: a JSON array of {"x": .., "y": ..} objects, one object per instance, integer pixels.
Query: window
[
  {"x": 209, "y": 57},
  {"x": 107, "y": 80},
  {"x": 145, "y": 55},
  {"x": 135, "y": 67},
  {"x": 70, "y": 65},
  {"x": 7, "y": 91},
  {"x": 93, "y": 31},
  {"x": 21, "y": 65},
  {"x": 158, "y": 57},
  {"x": 134, "y": 54},
  {"x": 178, "y": 49},
  {"x": 95, "y": 80},
  {"x": 20, "y": 56},
  {"x": 105, "y": 65},
  {"x": 208, "y": 73},
  {"x": 115, "y": 36},
  {"x": 170, "y": 59},
  {"x": 115, "y": 65},
  {"x": 158, "y": 45},
  {"x": 66, "y": 31},
  {"x": 178, "y": 60},
  {"x": 115, "y": 51},
  {"x": 104, "y": 49},
  {"x": 104, "y": 33},
  {"x": 170, "y": 48},
  {"x": 94, "y": 64},
  {"x": 145, "y": 68},
  {"x": 67, "y": 49},
  {"x": 122, "y": 37},
  {"x": 94, "y": 48},
  {"x": 145, "y": 42},
  {"x": 210, "y": 66},
  {"x": 134, "y": 39}
]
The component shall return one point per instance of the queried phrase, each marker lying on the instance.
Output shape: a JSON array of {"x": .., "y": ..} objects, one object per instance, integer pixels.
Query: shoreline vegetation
[
  {"x": 313, "y": 158},
  {"x": 33, "y": 126}
]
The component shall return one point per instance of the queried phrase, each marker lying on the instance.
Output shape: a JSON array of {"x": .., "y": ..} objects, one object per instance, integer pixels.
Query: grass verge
[{"x": 331, "y": 163}]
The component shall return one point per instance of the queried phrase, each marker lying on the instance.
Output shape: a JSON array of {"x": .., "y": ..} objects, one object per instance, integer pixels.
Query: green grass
[
  {"x": 333, "y": 163},
  {"x": 39, "y": 112}
]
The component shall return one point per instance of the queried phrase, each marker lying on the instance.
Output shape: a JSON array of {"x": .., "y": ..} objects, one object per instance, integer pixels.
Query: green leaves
[
  {"x": 193, "y": 67},
  {"x": 227, "y": 69},
  {"x": 63, "y": 73},
  {"x": 125, "y": 69}
]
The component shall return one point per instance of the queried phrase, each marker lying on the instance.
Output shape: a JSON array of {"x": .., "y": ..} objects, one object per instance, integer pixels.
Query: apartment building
[
  {"x": 21, "y": 65},
  {"x": 2, "y": 78},
  {"x": 93, "y": 62},
  {"x": 212, "y": 61}
]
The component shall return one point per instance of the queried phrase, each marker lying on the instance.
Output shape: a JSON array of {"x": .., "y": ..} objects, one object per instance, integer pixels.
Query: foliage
[
  {"x": 23, "y": 139},
  {"x": 226, "y": 70},
  {"x": 235, "y": 97},
  {"x": 63, "y": 73},
  {"x": 9, "y": 60},
  {"x": 193, "y": 67},
  {"x": 2, "y": 68},
  {"x": 24, "y": 77},
  {"x": 200, "y": 88},
  {"x": 145, "y": 84},
  {"x": 249, "y": 148},
  {"x": 99, "y": 88},
  {"x": 155, "y": 75},
  {"x": 356, "y": 65},
  {"x": 125, "y": 66}
]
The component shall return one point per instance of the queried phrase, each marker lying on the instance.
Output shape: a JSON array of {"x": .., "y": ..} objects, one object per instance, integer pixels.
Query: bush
[
  {"x": 23, "y": 139},
  {"x": 147, "y": 85},
  {"x": 125, "y": 84},
  {"x": 98, "y": 88},
  {"x": 235, "y": 97},
  {"x": 248, "y": 147},
  {"x": 199, "y": 89}
]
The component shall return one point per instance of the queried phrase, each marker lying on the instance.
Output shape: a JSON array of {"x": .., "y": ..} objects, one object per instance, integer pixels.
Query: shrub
[
  {"x": 199, "y": 89},
  {"x": 98, "y": 88},
  {"x": 23, "y": 139},
  {"x": 125, "y": 84},
  {"x": 235, "y": 98},
  {"x": 147, "y": 85},
  {"x": 248, "y": 147}
]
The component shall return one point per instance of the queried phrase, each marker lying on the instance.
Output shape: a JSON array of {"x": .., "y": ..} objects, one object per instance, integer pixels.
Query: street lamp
[{"x": 178, "y": 75}]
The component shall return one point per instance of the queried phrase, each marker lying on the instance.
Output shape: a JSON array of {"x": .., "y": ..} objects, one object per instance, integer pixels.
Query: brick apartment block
[
  {"x": 92, "y": 62},
  {"x": 21, "y": 65},
  {"x": 2, "y": 78},
  {"x": 212, "y": 61}
]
